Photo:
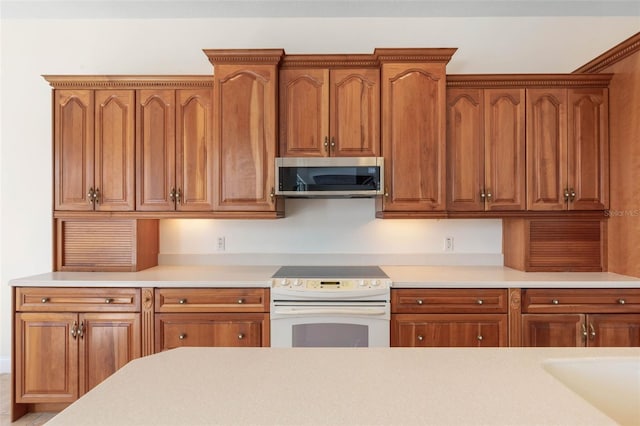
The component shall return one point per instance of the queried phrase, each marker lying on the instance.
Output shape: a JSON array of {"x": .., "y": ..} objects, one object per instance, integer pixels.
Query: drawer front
[
  {"x": 443, "y": 330},
  {"x": 208, "y": 330},
  {"x": 448, "y": 300},
  {"x": 596, "y": 300},
  {"x": 56, "y": 299},
  {"x": 212, "y": 300}
]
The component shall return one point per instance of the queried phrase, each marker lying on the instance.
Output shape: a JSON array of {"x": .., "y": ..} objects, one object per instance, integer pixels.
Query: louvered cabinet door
[{"x": 106, "y": 244}]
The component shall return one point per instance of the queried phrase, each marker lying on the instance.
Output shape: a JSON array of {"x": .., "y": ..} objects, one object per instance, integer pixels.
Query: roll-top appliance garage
[{"x": 330, "y": 177}]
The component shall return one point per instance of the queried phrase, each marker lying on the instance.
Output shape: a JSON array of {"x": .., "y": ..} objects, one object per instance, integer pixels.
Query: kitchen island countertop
[
  {"x": 341, "y": 386},
  {"x": 401, "y": 276}
]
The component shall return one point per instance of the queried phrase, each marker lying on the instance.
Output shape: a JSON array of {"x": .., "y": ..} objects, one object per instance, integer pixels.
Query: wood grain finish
[
  {"x": 114, "y": 180},
  {"x": 561, "y": 244},
  {"x": 449, "y": 301},
  {"x": 148, "y": 322},
  {"x": 59, "y": 299},
  {"x": 413, "y": 137},
  {"x": 559, "y": 330},
  {"x": 245, "y": 123},
  {"x": 73, "y": 145},
  {"x": 581, "y": 300},
  {"x": 88, "y": 244},
  {"x": 212, "y": 300}
]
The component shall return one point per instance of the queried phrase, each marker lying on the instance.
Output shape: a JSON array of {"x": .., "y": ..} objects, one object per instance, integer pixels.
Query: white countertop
[
  {"x": 401, "y": 276},
  {"x": 341, "y": 386}
]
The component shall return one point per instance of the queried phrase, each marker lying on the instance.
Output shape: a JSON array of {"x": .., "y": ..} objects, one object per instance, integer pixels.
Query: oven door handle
[{"x": 330, "y": 311}]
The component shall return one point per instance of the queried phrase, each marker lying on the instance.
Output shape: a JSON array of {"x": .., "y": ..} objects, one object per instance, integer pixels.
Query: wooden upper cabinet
[
  {"x": 94, "y": 149},
  {"x": 73, "y": 137},
  {"x": 504, "y": 130},
  {"x": 114, "y": 181},
  {"x": 155, "y": 149},
  {"x": 175, "y": 150},
  {"x": 245, "y": 123},
  {"x": 588, "y": 149},
  {"x": 413, "y": 137},
  {"x": 567, "y": 149},
  {"x": 486, "y": 149},
  {"x": 329, "y": 112}
]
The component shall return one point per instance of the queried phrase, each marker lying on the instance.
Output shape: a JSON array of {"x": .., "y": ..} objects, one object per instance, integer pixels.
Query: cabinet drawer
[
  {"x": 449, "y": 300},
  {"x": 212, "y": 300},
  {"x": 47, "y": 299},
  {"x": 237, "y": 330},
  {"x": 581, "y": 300}
]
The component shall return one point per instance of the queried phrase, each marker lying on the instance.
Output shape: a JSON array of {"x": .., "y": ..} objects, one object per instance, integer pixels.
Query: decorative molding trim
[
  {"x": 613, "y": 55},
  {"x": 127, "y": 81},
  {"x": 326, "y": 61},
  {"x": 148, "y": 326},
  {"x": 244, "y": 56},
  {"x": 438, "y": 55},
  {"x": 528, "y": 80}
]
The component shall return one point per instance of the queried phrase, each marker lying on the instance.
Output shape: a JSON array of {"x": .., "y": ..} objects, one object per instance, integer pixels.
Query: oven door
[{"x": 332, "y": 324}]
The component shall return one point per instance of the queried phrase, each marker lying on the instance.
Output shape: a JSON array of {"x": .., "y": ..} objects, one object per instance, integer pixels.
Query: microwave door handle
[{"x": 331, "y": 311}]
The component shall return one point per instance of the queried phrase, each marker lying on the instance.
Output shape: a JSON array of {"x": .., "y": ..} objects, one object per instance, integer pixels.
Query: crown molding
[
  {"x": 528, "y": 80},
  {"x": 613, "y": 55},
  {"x": 330, "y": 61},
  {"x": 439, "y": 55},
  {"x": 127, "y": 81},
  {"x": 244, "y": 56}
]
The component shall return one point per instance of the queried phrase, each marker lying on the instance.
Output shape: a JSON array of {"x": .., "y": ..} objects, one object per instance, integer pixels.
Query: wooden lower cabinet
[
  {"x": 568, "y": 330},
  {"x": 61, "y": 356},
  {"x": 449, "y": 317},
  {"x": 239, "y": 330},
  {"x": 236, "y": 317},
  {"x": 454, "y": 330}
]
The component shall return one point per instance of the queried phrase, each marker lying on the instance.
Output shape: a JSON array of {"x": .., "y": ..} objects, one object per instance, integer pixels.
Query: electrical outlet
[
  {"x": 221, "y": 243},
  {"x": 448, "y": 244}
]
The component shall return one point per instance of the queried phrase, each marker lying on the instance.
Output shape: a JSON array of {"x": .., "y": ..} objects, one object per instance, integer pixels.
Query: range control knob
[
  {"x": 284, "y": 282},
  {"x": 363, "y": 283},
  {"x": 297, "y": 283},
  {"x": 375, "y": 283}
]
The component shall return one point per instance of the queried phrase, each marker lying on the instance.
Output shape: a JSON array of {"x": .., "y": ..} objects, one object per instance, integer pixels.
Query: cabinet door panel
[
  {"x": 454, "y": 330},
  {"x": 107, "y": 342},
  {"x": 546, "y": 149},
  {"x": 589, "y": 148},
  {"x": 355, "y": 112},
  {"x": 465, "y": 149},
  {"x": 565, "y": 330},
  {"x": 115, "y": 149},
  {"x": 155, "y": 150},
  {"x": 194, "y": 149},
  {"x": 505, "y": 149},
  {"x": 73, "y": 149},
  {"x": 245, "y": 137},
  {"x": 46, "y": 358},
  {"x": 614, "y": 330},
  {"x": 304, "y": 112},
  {"x": 413, "y": 141}
]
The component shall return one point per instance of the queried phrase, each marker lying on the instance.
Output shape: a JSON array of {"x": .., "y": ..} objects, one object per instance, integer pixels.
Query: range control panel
[{"x": 330, "y": 284}]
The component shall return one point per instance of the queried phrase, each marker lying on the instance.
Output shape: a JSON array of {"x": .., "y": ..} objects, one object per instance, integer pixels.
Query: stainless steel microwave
[{"x": 329, "y": 177}]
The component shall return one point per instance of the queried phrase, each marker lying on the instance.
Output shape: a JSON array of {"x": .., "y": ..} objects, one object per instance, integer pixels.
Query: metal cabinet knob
[
  {"x": 108, "y": 301},
  {"x": 419, "y": 301},
  {"x": 555, "y": 301},
  {"x": 420, "y": 337},
  {"x": 182, "y": 301},
  {"x": 480, "y": 337},
  {"x": 240, "y": 336},
  {"x": 480, "y": 301},
  {"x": 45, "y": 300},
  {"x": 621, "y": 301},
  {"x": 240, "y": 301},
  {"x": 182, "y": 336}
]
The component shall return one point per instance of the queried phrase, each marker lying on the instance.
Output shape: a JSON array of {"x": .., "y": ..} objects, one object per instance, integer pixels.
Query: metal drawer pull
[
  {"x": 240, "y": 336},
  {"x": 421, "y": 338},
  {"x": 593, "y": 331},
  {"x": 621, "y": 301},
  {"x": 555, "y": 301},
  {"x": 419, "y": 301},
  {"x": 81, "y": 330},
  {"x": 182, "y": 336},
  {"x": 45, "y": 299},
  {"x": 74, "y": 329},
  {"x": 108, "y": 300},
  {"x": 480, "y": 337},
  {"x": 480, "y": 301},
  {"x": 240, "y": 301},
  {"x": 182, "y": 301},
  {"x": 584, "y": 331}
]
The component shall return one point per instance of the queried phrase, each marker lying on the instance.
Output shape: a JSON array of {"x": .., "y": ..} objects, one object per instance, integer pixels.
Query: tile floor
[{"x": 31, "y": 419}]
